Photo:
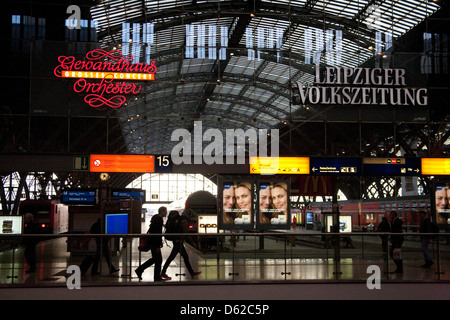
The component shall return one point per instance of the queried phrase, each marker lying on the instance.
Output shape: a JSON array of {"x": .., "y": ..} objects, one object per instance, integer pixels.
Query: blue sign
[
  {"x": 392, "y": 166},
  {"x": 76, "y": 196},
  {"x": 163, "y": 164},
  {"x": 131, "y": 193},
  {"x": 336, "y": 166}
]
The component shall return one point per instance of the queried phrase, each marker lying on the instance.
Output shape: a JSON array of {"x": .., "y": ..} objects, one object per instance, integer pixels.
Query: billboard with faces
[
  {"x": 441, "y": 202},
  {"x": 273, "y": 205},
  {"x": 236, "y": 205}
]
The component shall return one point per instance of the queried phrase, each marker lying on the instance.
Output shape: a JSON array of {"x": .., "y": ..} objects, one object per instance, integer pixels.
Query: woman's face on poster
[
  {"x": 243, "y": 197},
  {"x": 279, "y": 198},
  {"x": 441, "y": 199},
  {"x": 265, "y": 199},
  {"x": 228, "y": 198}
]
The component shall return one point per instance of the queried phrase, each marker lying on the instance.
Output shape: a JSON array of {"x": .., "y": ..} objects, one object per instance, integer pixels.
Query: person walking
[
  {"x": 102, "y": 248},
  {"x": 384, "y": 227},
  {"x": 30, "y": 242},
  {"x": 396, "y": 241},
  {"x": 425, "y": 227},
  {"x": 156, "y": 227},
  {"x": 178, "y": 224}
]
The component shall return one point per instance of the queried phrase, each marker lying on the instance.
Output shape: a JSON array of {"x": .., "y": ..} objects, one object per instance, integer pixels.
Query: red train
[
  {"x": 51, "y": 216},
  {"x": 368, "y": 213}
]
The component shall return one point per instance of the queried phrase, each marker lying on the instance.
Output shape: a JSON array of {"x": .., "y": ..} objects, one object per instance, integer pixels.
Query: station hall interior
[{"x": 335, "y": 112}]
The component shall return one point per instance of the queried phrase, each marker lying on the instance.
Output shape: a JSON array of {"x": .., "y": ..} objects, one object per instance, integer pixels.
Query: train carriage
[{"x": 51, "y": 216}]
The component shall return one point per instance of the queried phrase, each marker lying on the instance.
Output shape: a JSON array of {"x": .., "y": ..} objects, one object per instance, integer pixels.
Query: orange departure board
[
  {"x": 122, "y": 163},
  {"x": 436, "y": 166}
]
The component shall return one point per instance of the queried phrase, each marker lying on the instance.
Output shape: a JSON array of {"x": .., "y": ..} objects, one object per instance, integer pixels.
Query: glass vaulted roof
[{"x": 235, "y": 64}]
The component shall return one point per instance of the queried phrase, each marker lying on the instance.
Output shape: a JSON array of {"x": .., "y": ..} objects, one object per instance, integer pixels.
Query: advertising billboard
[
  {"x": 273, "y": 205},
  {"x": 235, "y": 205},
  {"x": 440, "y": 202},
  {"x": 11, "y": 224}
]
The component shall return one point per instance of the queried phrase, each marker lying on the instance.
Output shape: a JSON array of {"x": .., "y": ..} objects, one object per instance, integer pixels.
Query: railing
[{"x": 237, "y": 256}]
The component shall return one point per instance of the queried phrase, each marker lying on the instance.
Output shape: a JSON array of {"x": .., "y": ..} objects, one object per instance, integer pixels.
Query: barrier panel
[{"x": 229, "y": 257}]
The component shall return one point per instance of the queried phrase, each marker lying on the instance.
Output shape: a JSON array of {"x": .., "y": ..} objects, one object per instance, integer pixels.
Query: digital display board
[
  {"x": 273, "y": 205},
  {"x": 332, "y": 166},
  {"x": 79, "y": 196},
  {"x": 235, "y": 205},
  {"x": 392, "y": 166},
  {"x": 279, "y": 165},
  {"x": 129, "y": 193},
  {"x": 122, "y": 163},
  {"x": 116, "y": 223},
  {"x": 11, "y": 224},
  {"x": 436, "y": 166},
  {"x": 309, "y": 217}
]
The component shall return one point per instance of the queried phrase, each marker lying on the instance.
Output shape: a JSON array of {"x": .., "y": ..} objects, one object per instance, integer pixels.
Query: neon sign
[{"x": 112, "y": 69}]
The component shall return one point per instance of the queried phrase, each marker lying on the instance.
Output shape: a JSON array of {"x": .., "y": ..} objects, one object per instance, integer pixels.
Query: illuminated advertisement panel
[
  {"x": 235, "y": 209},
  {"x": 345, "y": 223},
  {"x": 273, "y": 205},
  {"x": 11, "y": 224},
  {"x": 441, "y": 202}
]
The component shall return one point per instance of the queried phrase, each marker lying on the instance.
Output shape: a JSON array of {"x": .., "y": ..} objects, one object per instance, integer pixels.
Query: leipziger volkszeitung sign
[{"x": 361, "y": 86}]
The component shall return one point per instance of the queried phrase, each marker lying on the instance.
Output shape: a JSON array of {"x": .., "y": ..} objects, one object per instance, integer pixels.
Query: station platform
[{"x": 244, "y": 269}]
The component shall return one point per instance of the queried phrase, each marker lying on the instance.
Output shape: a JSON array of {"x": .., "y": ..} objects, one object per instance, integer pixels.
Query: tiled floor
[{"x": 246, "y": 261}]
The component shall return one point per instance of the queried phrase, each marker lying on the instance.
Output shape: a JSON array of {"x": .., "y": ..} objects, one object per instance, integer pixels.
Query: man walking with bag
[{"x": 156, "y": 227}]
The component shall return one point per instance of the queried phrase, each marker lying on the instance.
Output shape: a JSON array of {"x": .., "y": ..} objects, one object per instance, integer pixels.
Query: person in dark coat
[
  {"x": 30, "y": 243},
  {"x": 425, "y": 227},
  {"x": 103, "y": 246},
  {"x": 156, "y": 227},
  {"x": 396, "y": 241},
  {"x": 384, "y": 227},
  {"x": 178, "y": 247}
]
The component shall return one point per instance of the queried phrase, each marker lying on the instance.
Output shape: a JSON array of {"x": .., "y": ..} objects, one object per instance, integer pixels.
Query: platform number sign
[{"x": 163, "y": 164}]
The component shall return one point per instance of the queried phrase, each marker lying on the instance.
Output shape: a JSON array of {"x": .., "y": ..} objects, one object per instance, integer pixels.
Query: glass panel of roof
[{"x": 241, "y": 65}]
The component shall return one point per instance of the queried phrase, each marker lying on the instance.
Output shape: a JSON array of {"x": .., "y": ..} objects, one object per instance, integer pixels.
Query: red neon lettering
[
  {"x": 96, "y": 91},
  {"x": 110, "y": 70}
]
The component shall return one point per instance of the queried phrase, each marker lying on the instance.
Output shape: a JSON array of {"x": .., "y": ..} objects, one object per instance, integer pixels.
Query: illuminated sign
[
  {"x": 102, "y": 75},
  {"x": 122, "y": 163},
  {"x": 129, "y": 193},
  {"x": 163, "y": 164},
  {"x": 336, "y": 166},
  {"x": 279, "y": 165},
  {"x": 436, "y": 166},
  {"x": 79, "y": 196},
  {"x": 112, "y": 69},
  {"x": 11, "y": 224},
  {"x": 392, "y": 166},
  {"x": 315, "y": 186}
]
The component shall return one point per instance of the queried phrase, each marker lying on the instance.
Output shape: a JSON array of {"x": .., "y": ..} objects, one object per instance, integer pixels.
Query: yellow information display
[
  {"x": 436, "y": 166},
  {"x": 279, "y": 165}
]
